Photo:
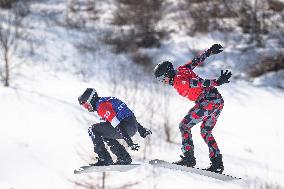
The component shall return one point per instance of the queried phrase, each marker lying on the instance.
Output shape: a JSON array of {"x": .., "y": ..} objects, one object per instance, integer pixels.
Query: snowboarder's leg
[
  {"x": 206, "y": 132},
  {"x": 109, "y": 134},
  {"x": 193, "y": 117},
  {"x": 130, "y": 124},
  {"x": 104, "y": 157},
  {"x": 123, "y": 157}
]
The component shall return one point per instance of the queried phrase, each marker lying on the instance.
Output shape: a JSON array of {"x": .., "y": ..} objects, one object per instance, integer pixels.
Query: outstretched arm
[
  {"x": 125, "y": 135},
  {"x": 193, "y": 83},
  {"x": 214, "y": 49},
  {"x": 143, "y": 132},
  {"x": 127, "y": 138},
  {"x": 199, "y": 82}
]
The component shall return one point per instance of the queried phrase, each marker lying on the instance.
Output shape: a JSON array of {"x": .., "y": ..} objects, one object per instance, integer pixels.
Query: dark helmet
[
  {"x": 88, "y": 99},
  {"x": 164, "y": 69}
]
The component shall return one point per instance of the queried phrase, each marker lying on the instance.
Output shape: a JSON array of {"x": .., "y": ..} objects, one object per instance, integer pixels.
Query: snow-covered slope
[
  {"x": 43, "y": 133},
  {"x": 44, "y": 130},
  {"x": 39, "y": 131}
]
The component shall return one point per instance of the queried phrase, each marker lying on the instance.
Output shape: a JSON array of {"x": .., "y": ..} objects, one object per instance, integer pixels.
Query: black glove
[
  {"x": 134, "y": 147},
  {"x": 143, "y": 132},
  {"x": 224, "y": 77},
  {"x": 216, "y": 48}
]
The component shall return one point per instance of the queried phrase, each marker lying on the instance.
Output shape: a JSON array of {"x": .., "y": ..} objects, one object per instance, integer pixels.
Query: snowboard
[
  {"x": 92, "y": 168},
  {"x": 168, "y": 165}
]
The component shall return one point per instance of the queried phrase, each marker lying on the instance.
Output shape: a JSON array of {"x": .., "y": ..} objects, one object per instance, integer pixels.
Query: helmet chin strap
[
  {"x": 171, "y": 82},
  {"x": 171, "y": 74}
]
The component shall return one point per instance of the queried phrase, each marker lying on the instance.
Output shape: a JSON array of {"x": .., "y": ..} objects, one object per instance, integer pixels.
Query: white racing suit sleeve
[{"x": 114, "y": 122}]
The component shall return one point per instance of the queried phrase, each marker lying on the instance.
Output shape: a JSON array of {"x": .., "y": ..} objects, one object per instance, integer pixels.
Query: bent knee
[
  {"x": 205, "y": 131},
  {"x": 186, "y": 124}
]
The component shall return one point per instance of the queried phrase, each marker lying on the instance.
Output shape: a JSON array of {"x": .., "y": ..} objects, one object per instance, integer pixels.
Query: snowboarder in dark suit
[{"x": 119, "y": 123}]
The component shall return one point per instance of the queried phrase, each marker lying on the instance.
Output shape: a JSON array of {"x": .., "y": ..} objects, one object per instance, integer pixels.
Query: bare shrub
[
  {"x": 275, "y": 5},
  {"x": 142, "y": 59},
  {"x": 7, "y": 3},
  {"x": 267, "y": 64},
  {"x": 122, "y": 41},
  {"x": 79, "y": 13},
  {"x": 201, "y": 16},
  {"x": 11, "y": 34},
  {"x": 139, "y": 20},
  {"x": 259, "y": 18}
]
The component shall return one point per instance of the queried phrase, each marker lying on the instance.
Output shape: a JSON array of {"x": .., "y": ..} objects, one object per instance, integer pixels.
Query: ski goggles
[
  {"x": 163, "y": 78},
  {"x": 88, "y": 104}
]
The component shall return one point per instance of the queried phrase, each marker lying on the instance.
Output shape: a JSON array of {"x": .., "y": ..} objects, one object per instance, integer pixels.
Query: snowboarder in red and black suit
[
  {"x": 208, "y": 105},
  {"x": 119, "y": 123}
]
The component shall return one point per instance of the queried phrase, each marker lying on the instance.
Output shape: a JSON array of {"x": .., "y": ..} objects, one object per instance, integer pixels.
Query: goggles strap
[{"x": 90, "y": 99}]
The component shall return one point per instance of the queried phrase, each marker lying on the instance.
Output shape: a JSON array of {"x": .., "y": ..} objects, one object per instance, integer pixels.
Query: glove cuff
[{"x": 215, "y": 83}]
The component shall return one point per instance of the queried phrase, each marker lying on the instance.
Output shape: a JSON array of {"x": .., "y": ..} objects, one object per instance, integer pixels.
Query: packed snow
[
  {"x": 44, "y": 130},
  {"x": 44, "y": 135}
]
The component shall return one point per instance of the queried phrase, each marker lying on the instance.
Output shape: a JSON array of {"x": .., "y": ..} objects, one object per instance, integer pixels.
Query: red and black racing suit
[{"x": 208, "y": 105}]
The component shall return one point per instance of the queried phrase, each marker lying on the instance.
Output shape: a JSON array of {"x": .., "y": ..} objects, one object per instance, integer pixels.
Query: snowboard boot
[
  {"x": 103, "y": 158},
  {"x": 216, "y": 165},
  {"x": 123, "y": 160},
  {"x": 123, "y": 157},
  {"x": 102, "y": 162},
  {"x": 187, "y": 160}
]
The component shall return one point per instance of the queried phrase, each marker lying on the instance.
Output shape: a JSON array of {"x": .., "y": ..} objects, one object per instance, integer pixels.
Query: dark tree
[
  {"x": 80, "y": 12},
  {"x": 201, "y": 16},
  {"x": 260, "y": 18},
  {"x": 7, "y": 3},
  {"x": 139, "y": 21}
]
